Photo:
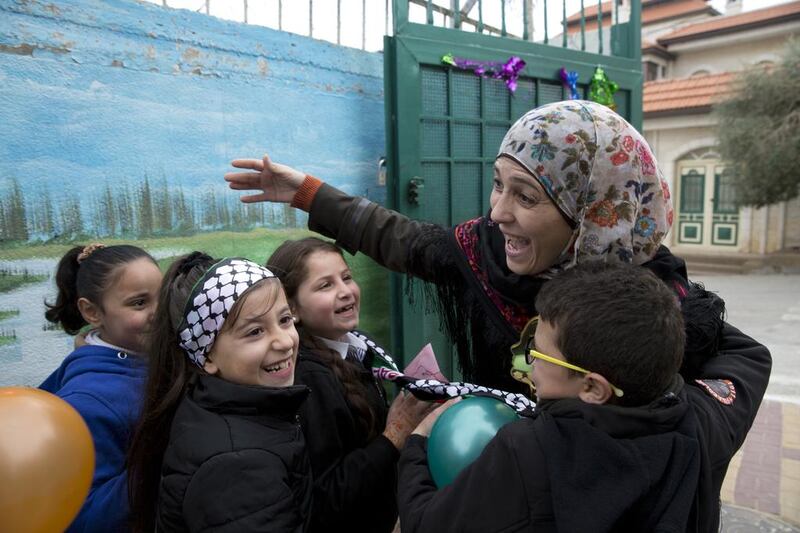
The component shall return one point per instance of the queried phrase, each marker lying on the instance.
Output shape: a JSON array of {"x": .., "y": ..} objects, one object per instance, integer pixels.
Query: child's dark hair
[
  {"x": 289, "y": 262},
  {"x": 170, "y": 373},
  {"x": 620, "y": 321},
  {"x": 88, "y": 278}
]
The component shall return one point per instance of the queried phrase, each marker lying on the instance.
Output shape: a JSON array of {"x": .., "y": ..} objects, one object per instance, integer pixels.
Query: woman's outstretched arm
[{"x": 357, "y": 224}]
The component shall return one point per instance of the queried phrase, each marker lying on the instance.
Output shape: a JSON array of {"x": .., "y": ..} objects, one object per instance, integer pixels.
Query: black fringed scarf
[{"x": 483, "y": 310}]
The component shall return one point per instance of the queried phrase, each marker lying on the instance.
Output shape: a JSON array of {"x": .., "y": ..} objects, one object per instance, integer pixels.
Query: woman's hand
[
  {"x": 424, "y": 427},
  {"x": 278, "y": 182},
  {"x": 404, "y": 415}
]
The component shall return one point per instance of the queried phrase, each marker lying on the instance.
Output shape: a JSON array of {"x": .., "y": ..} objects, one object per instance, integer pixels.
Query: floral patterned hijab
[{"x": 600, "y": 173}]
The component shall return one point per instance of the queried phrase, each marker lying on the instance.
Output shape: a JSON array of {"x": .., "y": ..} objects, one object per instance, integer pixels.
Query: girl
[
  {"x": 113, "y": 289},
  {"x": 218, "y": 445},
  {"x": 353, "y": 439}
]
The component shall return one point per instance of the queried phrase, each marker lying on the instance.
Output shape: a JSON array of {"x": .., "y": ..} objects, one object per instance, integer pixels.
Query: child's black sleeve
[
  {"x": 488, "y": 495},
  {"x": 729, "y": 390}
]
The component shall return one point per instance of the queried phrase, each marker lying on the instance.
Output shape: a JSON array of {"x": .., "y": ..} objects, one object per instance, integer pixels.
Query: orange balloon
[{"x": 46, "y": 461}]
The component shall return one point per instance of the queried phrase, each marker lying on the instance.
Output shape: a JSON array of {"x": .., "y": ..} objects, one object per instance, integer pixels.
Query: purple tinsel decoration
[{"x": 508, "y": 71}]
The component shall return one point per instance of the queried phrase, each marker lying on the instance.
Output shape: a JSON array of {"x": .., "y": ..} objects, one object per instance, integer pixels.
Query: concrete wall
[
  {"x": 731, "y": 54},
  {"x": 792, "y": 234},
  {"x": 104, "y": 92},
  {"x": 759, "y": 226},
  {"x": 117, "y": 106}
]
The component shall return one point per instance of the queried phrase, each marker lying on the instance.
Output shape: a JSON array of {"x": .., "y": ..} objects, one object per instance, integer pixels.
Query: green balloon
[{"x": 462, "y": 432}]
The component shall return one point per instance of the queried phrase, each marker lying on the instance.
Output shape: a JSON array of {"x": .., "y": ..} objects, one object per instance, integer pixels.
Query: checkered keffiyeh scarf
[
  {"x": 212, "y": 298},
  {"x": 385, "y": 368}
]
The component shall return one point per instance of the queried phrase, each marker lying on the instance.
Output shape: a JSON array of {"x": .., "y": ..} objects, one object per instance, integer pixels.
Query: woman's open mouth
[{"x": 516, "y": 246}]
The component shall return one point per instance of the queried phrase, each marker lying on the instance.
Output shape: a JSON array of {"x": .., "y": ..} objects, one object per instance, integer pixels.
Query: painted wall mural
[{"x": 118, "y": 120}]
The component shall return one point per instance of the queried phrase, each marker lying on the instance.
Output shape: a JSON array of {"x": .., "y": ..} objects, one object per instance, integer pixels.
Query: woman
[{"x": 572, "y": 182}]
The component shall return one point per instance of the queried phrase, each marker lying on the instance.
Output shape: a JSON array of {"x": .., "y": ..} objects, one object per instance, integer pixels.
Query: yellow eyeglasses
[
  {"x": 523, "y": 355},
  {"x": 533, "y": 354}
]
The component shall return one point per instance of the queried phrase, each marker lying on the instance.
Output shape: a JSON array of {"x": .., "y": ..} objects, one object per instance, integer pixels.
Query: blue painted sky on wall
[{"x": 96, "y": 92}]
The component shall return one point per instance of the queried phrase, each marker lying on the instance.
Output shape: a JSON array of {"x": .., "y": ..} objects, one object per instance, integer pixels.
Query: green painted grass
[
  {"x": 8, "y": 313},
  {"x": 216, "y": 243},
  {"x": 10, "y": 280},
  {"x": 6, "y": 340},
  {"x": 256, "y": 245}
]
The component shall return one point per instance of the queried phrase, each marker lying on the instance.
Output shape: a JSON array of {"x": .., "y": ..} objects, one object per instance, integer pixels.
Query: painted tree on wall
[
  {"x": 144, "y": 209},
  {"x": 124, "y": 204},
  {"x": 289, "y": 216},
  {"x": 3, "y": 226},
  {"x": 15, "y": 222},
  {"x": 163, "y": 207},
  {"x": 759, "y": 131},
  {"x": 209, "y": 209},
  {"x": 42, "y": 215},
  {"x": 70, "y": 217},
  {"x": 117, "y": 209},
  {"x": 184, "y": 211},
  {"x": 107, "y": 214}
]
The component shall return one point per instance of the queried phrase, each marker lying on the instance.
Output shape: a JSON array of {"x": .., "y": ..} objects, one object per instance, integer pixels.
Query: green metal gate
[{"x": 444, "y": 126}]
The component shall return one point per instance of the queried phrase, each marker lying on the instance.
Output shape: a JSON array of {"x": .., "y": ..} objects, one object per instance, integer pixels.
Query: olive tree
[{"x": 759, "y": 131}]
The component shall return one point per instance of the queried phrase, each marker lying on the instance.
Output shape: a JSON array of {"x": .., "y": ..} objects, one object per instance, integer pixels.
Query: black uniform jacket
[
  {"x": 576, "y": 467},
  {"x": 236, "y": 461},
  {"x": 354, "y": 480}
]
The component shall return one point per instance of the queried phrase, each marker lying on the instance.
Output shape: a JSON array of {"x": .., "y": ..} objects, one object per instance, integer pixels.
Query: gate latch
[{"x": 416, "y": 186}]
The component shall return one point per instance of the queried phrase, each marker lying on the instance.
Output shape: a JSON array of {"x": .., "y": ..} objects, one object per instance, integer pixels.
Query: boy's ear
[
  {"x": 596, "y": 389},
  {"x": 91, "y": 313}
]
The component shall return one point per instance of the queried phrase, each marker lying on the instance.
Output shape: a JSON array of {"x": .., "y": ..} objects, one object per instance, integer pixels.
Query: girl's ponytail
[
  {"x": 169, "y": 374},
  {"x": 65, "y": 310}
]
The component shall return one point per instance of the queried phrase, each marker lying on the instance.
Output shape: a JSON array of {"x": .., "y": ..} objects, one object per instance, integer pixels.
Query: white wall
[{"x": 733, "y": 56}]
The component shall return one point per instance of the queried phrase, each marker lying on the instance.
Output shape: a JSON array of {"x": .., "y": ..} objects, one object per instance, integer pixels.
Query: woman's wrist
[{"x": 304, "y": 196}]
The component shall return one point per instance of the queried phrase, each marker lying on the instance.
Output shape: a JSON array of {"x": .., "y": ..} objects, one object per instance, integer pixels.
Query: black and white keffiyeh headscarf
[
  {"x": 384, "y": 368},
  {"x": 212, "y": 298}
]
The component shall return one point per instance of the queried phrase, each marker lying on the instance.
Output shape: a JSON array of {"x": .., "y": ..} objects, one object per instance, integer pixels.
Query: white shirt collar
[
  {"x": 344, "y": 343},
  {"x": 93, "y": 338}
]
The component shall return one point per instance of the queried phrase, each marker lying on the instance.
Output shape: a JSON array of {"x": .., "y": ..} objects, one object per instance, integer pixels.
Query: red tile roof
[
  {"x": 686, "y": 95},
  {"x": 650, "y": 44},
  {"x": 652, "y": 11},
  {"x": 651, "y": 48},
  {"x": 732, "y": 23}
]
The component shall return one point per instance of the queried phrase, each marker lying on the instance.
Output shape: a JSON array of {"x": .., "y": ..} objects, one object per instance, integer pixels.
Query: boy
[{"x": 618, "y": 441}]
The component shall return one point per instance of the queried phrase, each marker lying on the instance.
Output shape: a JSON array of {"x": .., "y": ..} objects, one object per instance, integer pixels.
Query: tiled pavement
[
  {"x": 735, "y": 519},
  {"x": 765, "y": 474}
]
